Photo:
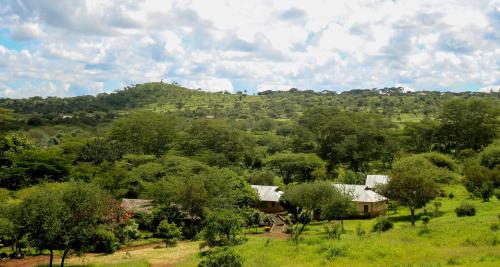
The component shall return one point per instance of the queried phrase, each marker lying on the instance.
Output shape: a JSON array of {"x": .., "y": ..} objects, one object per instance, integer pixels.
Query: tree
[
  {"x": 145, "y": 132},
  {"x": 296, "y": 167},
  {"x": 169, "y": 232},
  {"x": 30, "y": 167},
  {"x": 412, "y": 183},
  {"x": 468, "y": 123},
  {"x": 40, "y": 217},
  {"x": 222, "y": 228},
  {"x": 355, "y": 139},
  {"x": 421, "y": 136},
  {"x": 338, "y": 207},
  {"x": 83, "y": 213},
  {"x": 480, "y": 181}
]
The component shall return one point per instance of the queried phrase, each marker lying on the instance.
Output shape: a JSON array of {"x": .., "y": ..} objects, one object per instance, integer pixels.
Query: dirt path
[{"x": 44, "y": 259}]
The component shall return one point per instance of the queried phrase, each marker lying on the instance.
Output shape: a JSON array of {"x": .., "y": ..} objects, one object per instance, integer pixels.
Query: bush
[
  {"x": 132, "y": 230},
  {"x": 333, "y": 230},
  {"x": 333, "y": 252},
  {"x": 490, "y": 157},
  {"x": 440, "y": 160},
  {"x": 465, "y": 209},
  {"x": 222, "y": 228},
  {"x": 105, "y": 241},
  {"x": 425, "y": 219},
  {"x": 497, "y": 193},
  {"x": 359, "y": 230},
  {"x": 383, "y": 224},
  {"x": 221, "y": 257},
  {"x": 169, "y": 232}
]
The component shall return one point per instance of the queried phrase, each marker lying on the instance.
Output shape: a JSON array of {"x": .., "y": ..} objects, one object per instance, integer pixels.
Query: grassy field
[{"x": 464, "y": 241}]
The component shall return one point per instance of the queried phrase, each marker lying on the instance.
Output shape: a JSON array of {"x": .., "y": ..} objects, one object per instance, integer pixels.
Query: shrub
[
  {"x": 333, "y": 252},
  {"x": 221, "y": 257},
  {"x": 423, "y": 231},
  {"x": 490, "y": 157},
  {"x": 105, "y": 241},
  {"x": 333, "y": 230},
  {"x": 425, "y": 219},
  {"x": 440, "y": 160},
  {"x": 383, "y": 224},
  {"x": 222, "y": 228},
  {"x": 495, "y": 227},
  {"x": 359, "y": 230},
  {"x": 465, "y": 209},
  {"x": 169, "y": 232},
  {"x": 497, "y": 193},
  {"x": 132, "y": 230}
]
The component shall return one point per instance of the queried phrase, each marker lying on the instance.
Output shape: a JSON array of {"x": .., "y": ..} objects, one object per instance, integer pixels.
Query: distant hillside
[{"x": 195, "y": 103}]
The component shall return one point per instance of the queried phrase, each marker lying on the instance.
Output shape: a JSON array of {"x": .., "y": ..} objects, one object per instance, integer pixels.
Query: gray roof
[
  {"x": 360, "y": 193},
  {"x": 373, "y": 180},
  {"x": 268, "y": 192}
]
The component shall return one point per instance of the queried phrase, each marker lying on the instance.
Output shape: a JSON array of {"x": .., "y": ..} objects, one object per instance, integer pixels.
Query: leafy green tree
[
  {"x": 41, "y": 216},
  {"x": 355, "y": 139},
  {"x": 338, "y": 207},
  {"x": 412, "y": 183},
  {"x": 216, "y": 143},
  {"x": 30, "y": 167},
  {"x": 481, "y": 181},
  {"x": 6, "y": 119},
  {"x": 145, "y": 132},
  {"x": 490, "y": 156},
  {"x": 99, "y": 150},
  {"x": 421, "y": 136},
  {"x": 83, "y": 213},
  {"x": 468, "y": 123},
  {"x": 222, "y": 228},
  {"x": 169, "y": 232},
  {"x": 296, "y": 167}
]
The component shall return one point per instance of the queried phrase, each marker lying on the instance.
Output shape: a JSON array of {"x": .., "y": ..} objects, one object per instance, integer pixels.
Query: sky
[{"x": 68, "y": 48}]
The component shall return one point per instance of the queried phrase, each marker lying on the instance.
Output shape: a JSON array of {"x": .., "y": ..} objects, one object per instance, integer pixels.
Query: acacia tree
[
  {"x": 412, "y": 183},
  {"x": 40, "y": 217},
  {"x": 296, "y": 167},
  {"x": 82, "y": 214}
]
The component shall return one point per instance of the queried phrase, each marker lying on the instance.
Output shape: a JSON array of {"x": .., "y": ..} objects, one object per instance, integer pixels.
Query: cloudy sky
[{"x": 67, "y": 47}]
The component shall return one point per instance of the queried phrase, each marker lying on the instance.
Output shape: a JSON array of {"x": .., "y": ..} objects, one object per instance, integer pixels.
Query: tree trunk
[
  {"x": 412, "y": 216},
  {"x": 51, "y": 257},
  {"x": 64, "y": 256}
]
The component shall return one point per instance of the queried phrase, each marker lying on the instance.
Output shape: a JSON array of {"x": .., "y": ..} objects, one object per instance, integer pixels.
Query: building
[
  {"x": 373, "y": 180},
  {"x": 367, "y": 202},
  {"x": 269, "y": 198}
]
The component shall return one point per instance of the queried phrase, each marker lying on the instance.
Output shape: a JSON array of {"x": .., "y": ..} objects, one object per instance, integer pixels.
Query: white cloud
[
  {"x": 490, "y": 89},
  {"x": 26, "y": 31},
  {"x": 273, "y": 87},
  {"x": 211, "y": 85},
  {"x": 92, "y": 46}
]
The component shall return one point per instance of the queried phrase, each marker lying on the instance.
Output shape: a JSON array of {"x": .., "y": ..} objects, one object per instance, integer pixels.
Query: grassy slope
[{"x": 401, "y": 246}]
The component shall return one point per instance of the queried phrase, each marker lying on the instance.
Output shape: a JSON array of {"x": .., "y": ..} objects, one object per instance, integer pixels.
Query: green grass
[{"x": 465, "y": 241}]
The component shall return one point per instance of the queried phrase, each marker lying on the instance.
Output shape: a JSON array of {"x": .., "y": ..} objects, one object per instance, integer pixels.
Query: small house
[
  {"x": 269, "y": 198},
  {"x": 367, "y": 202}
]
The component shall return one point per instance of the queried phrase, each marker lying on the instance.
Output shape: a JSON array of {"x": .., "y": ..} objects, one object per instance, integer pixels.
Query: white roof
[
  {"x": 268, "y": 192},
  {"x": 360, "y": 193},
  {"x": 373, "y": 180}
]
